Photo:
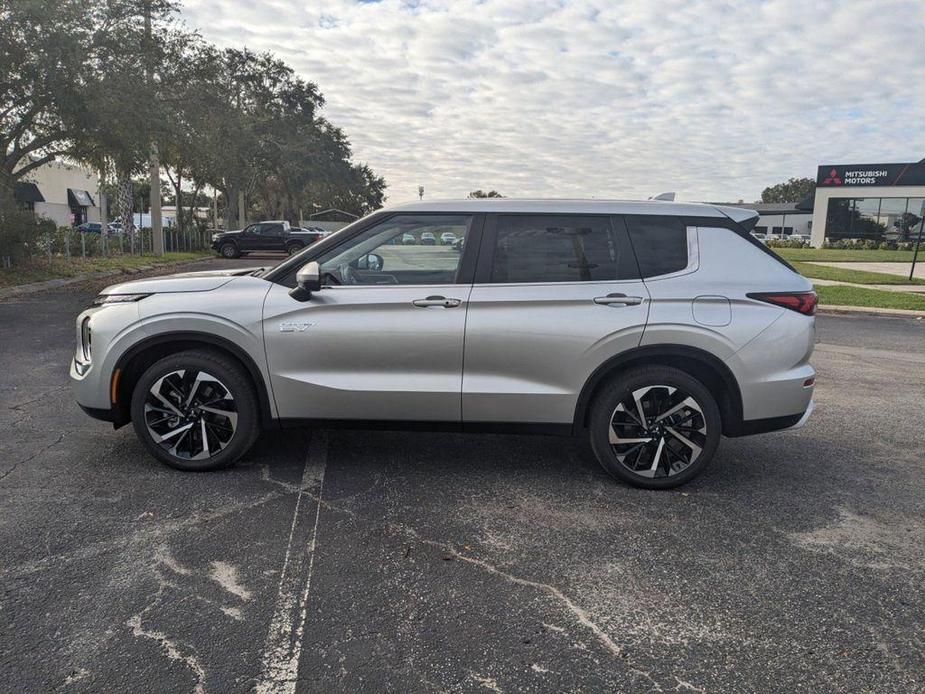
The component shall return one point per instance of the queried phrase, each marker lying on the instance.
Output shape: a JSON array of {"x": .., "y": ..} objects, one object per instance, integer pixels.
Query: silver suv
[{"x": 653, "y": 328}]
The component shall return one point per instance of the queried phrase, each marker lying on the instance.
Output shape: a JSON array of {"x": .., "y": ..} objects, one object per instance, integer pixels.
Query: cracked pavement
[{"x": 357, "y": 560}]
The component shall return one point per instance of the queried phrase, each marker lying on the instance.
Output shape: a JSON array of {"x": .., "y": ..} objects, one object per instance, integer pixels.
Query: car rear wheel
[
  {"x": 228, "y": 250},
  {"x": 294, "y": 248},
  {"x": 655, "y": 427},
  {"x": 196, "y": 410}
]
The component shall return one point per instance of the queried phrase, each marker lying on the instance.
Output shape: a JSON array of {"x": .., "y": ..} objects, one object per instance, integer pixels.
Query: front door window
[{"x": 404, "y": 250}]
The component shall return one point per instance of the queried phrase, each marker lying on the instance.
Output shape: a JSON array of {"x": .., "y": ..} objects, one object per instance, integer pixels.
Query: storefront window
[
  {"x": 878, "y": 219},
  {"x": 891, "y": 216},
  {"x": 912, "y": 220},
  {"x": 838, "y": 218}
]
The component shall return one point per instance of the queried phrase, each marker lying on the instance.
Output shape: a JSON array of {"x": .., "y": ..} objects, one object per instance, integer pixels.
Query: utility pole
[
  {"x": 918, "y": 242},
  {"x": 154, "y": 172},
  {"x": 214, "y": 208},
  {"x": 242, "y": 217}
]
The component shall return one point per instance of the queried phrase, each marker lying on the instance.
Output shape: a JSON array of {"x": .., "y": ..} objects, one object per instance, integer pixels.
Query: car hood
[{"x": 203, "y": 281}]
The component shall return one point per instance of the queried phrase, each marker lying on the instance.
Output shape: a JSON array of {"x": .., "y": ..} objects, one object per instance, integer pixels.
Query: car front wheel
[
  {"x": 196, "y": 410},
  {"x": 655, "y": 427},
  {"x": 228, "y": 250}
]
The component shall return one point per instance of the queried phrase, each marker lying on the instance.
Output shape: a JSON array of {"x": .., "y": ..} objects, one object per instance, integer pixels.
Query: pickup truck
[{"x": 272, "y": 235}]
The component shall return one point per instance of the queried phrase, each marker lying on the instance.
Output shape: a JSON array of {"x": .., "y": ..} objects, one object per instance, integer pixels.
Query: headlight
[
  {"x": 85, "y": 340},
  {"x": 215, "y": 237},
  {"x": 105, "y": 299}
]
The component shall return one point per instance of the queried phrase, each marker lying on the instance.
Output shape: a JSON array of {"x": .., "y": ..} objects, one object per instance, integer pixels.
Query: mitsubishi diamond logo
[{"x": 832, "y": 179}]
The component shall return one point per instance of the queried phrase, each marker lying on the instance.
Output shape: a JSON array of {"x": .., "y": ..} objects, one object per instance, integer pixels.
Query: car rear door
[{"x": 554, "y": 297}]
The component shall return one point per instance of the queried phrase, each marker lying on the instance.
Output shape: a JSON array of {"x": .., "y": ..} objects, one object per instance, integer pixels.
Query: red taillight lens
[{"x": 801, "y": 302}]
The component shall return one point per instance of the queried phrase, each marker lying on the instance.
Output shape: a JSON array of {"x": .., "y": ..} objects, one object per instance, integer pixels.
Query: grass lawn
[
  {"x": 835, "y": 295},
  {"x": 40, "y": 269},
  {"x": 845, "y": 256},
  {"x": 823, "y": 272}
]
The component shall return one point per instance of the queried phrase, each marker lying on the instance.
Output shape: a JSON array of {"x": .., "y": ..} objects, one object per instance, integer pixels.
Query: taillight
[{"x": 801, "y": 302}]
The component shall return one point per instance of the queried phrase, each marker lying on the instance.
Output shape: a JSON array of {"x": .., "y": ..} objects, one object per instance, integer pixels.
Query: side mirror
[
  {"x": 308, "y": 280},
  {"x": 370, "y": 261}
]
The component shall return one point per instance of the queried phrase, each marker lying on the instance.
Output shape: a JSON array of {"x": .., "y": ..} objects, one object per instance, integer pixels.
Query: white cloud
[{"x": 714, "y": 100}]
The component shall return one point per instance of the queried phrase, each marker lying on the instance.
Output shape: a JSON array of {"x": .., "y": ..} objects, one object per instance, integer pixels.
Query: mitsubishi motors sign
[{"x": 834, "y": 175}]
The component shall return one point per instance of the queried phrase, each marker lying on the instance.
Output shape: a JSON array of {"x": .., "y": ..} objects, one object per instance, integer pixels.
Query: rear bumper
[{"x": 767, "y": 425}]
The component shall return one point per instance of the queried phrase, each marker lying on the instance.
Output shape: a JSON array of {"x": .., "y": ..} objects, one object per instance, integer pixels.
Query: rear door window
[
  {"x": 559, "y": 248},
  {"x": 660, "y": 243}
]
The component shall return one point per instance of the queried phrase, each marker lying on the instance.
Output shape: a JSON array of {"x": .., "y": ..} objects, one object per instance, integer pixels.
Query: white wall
[
  {"x": 799, "y": 222},
  {"x": 53, "y": 180}
]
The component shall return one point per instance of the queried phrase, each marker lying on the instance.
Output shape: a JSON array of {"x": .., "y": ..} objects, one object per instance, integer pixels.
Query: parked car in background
[
  {"x": 652, "y": 329},
  {"x": 408, "y": 240},
  {"x": 447, "y": 238},
  {"x": 271, "y": 235},
  {"x": 428, "y": 239},
  {"x": 96, "y": 227}
]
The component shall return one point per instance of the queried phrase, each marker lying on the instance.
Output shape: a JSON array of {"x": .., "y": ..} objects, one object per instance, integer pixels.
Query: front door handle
[
  {"x": 618, "y": 300},
  {"x": 437, "y": 301}
]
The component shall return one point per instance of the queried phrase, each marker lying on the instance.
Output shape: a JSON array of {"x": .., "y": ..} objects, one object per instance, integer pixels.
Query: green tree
[
  {"x": 46, "y": 48},
  {"x": 794, "y": 190},
  {"x": 482, "y": 194}
]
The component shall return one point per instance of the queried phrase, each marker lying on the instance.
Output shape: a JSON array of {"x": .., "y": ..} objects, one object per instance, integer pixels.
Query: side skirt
[{"x": 549, "y": 429}]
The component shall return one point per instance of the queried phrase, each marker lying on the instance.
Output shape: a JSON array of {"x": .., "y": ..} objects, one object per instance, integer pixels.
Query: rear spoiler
[{"x": 745, "y": 218}]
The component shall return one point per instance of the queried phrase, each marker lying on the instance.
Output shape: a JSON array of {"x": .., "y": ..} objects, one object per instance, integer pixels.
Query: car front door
[
  {"x": 554, "y": 297},
  {"x": 250, "y": 238},
  {"x": 273, "y": 237},
  {"x": 383, "y": 338}
]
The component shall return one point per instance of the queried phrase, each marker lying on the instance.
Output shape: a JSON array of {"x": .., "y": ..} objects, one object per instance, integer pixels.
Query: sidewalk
[
  {"x": 901, "y": 269},
  {"x": 908, "y": 288}
]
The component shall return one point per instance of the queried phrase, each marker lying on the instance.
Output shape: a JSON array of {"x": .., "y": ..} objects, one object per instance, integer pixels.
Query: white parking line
[{"x": 280, "y": 660}]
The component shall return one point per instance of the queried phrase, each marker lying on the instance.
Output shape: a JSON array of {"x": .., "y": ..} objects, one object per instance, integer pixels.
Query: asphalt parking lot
[{"x": 388, "y": 561}]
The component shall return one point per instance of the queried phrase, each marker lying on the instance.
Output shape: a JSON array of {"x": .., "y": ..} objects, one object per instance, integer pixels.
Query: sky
[{"x": 595, "y": 98}]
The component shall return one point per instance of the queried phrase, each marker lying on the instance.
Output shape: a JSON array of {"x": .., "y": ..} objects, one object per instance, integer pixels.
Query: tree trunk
[
  {"x": 123, "y": 202},
  {"x": 231, "y": 205}
]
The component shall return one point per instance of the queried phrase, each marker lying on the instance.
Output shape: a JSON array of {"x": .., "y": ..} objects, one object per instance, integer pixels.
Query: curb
[
  {"x": 871, "y": 311},
  {"x": 34, "y": 287}
]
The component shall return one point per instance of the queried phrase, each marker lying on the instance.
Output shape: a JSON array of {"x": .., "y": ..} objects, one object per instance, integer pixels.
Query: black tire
[
  {"x": 228, "y": 250},
  {"x": 664, "y": 448},
  {"x": 294, "y": 248},
  {"x": 234, "y": 381}
]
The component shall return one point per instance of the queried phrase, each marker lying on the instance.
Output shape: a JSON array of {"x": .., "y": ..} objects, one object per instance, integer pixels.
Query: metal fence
[{"x": 72, "y": 243}]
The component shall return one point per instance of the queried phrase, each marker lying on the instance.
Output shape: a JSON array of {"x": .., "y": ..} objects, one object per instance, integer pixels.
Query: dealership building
[{"x": 879, "y": 202}]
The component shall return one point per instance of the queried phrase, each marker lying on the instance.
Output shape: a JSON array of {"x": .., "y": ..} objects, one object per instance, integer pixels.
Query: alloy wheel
[
  {"x": 657, "y": 431},
  {"x": 190, "y": 414}
]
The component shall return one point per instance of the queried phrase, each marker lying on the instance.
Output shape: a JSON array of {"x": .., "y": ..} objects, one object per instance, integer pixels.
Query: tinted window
[
  {"x": 660, "y": 244},
  {"x": 553, "y": 248}
]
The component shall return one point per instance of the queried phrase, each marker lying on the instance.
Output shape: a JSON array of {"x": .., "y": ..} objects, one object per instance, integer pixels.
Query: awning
[
  {"x": 24, "y": 191},
  {"x": 79, "y": 198}
]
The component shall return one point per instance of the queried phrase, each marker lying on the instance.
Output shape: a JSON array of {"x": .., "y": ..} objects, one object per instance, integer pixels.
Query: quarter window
[
  {"x": 660, "y": 244},
  {"x": 553, "y": 248}
]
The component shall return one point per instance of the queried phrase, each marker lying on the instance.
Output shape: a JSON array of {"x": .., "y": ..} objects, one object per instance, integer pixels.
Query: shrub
[
  {"x": 20, "y": 232},
  {"x": 786, "y": 243}
]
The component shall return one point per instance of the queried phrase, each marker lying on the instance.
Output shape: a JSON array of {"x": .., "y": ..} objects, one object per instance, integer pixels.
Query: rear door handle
[
  {"x": 618, "y": 300},
  {"x": 437, "y": 301}
]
